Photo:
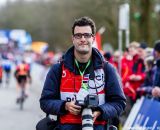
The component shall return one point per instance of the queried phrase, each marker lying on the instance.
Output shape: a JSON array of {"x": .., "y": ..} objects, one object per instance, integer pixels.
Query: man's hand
[
  {"x": 95, "y": 115},
  {"x": 156, "y": 91},
  {"x": 134, "y": 77},
  {"x": 72, "y": 108}
]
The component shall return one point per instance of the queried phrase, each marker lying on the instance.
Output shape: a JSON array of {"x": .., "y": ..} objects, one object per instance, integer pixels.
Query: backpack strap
[{"x": 105, "y": 63}]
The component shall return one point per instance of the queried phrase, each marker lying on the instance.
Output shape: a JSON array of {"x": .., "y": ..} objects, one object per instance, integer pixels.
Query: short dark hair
[
  {"x": 84, "y": 21},
  {"x": 157, "y": 46}
]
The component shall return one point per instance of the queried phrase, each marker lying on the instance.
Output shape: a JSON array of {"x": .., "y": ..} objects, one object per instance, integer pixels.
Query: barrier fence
[{"x": 145, "y": 115}]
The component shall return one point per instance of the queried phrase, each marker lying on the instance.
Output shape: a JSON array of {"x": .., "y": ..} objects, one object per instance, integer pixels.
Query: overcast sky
[{"x": 2, "y": 2}]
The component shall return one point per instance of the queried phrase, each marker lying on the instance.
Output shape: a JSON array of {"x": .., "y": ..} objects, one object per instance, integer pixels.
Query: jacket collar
[{"x": 68, "y": 59}]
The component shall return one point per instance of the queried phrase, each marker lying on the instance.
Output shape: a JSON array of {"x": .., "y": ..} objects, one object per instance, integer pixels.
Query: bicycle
[{"x": 23, "y": 95}]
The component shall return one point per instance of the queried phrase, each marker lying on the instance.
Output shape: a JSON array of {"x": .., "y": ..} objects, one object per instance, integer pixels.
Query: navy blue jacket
[
  {"x": 115, "y": 100},
  {"x": 157, "y": 74}
]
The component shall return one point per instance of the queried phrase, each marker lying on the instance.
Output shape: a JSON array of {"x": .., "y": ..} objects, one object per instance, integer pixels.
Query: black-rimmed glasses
[{"x": 79, "y": 35}]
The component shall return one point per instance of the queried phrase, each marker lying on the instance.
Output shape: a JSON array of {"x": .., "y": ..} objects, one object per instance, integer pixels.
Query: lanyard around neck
[{"x": 82, "y": 72}]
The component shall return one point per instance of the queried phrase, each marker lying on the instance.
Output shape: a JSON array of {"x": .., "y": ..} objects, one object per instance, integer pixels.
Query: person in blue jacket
[
  {"x": 156, "y": 82},
  {"x": 81, "y": 72}
]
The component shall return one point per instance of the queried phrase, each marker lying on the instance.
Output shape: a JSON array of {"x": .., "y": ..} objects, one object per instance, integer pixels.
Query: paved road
[{"x": 11, "y": 118}]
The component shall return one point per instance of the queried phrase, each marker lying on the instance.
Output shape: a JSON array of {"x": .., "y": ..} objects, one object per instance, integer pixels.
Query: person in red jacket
[
  {"x": 124, "y": 66},
  {"x": 22, "y": 75},
  {"x": 137, "y": 76}
]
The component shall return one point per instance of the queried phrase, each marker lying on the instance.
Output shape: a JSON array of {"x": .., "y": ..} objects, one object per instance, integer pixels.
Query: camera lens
[{"x": 87, "y": 119}]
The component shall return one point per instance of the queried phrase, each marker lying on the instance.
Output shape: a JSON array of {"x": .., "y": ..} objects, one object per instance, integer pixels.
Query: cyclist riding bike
[
  {"x": 7, "y": 67},
  {"x": 22, "y": 75}
]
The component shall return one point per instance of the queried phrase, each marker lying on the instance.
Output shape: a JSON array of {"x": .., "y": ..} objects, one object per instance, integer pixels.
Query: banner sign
[
  {"x": 20, "y": 36},
  {"x": 145, "y": 115},
  {"x": 4, "y": 36}
]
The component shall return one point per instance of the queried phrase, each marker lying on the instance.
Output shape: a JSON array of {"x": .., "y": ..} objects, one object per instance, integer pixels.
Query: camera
[{"x": 90, "y": 101}]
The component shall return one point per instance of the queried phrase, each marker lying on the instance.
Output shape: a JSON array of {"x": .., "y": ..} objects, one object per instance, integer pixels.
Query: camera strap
[{"x": 84, "y": 86}]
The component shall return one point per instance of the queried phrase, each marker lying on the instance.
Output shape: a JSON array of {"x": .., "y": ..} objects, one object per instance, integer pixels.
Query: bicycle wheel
[{"x": 22, "y": 98}]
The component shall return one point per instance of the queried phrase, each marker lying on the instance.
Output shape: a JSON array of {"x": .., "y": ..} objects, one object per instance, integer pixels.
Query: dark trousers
[{"x": 79, "y": 127}]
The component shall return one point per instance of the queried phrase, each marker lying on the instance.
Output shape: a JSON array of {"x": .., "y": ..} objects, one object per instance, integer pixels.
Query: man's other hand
[
  {"x": 72, "y": 108},
  {"x": 95, "y": 115}
]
